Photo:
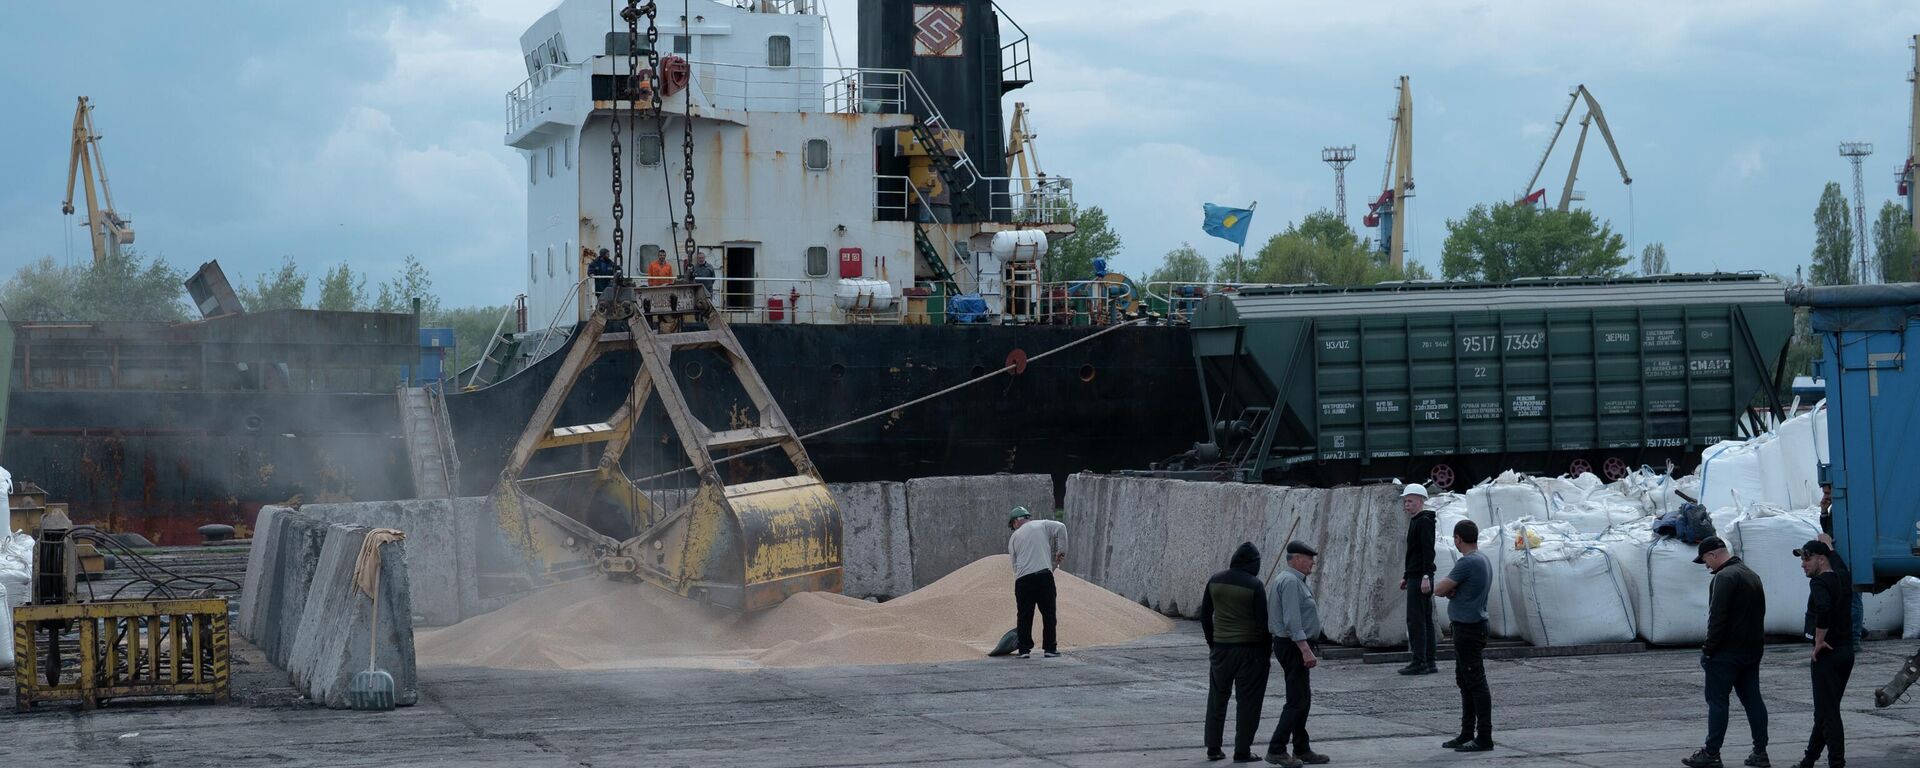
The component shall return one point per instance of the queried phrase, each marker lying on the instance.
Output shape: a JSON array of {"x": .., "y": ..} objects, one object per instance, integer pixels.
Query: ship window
[
  {"x": 532, "y": 276},
  {"x": 649, "y": 149},
  {"x": 533, "y": 165},
  {"x": 779, "y": 51},
  {"x": 817, "y": 261},
  {"x": 559, "y": 49},
  {"x": 567, "y": 257},
  {"x": 549, "y": 261},
  {"x": 647, "y": 254},
  {"x": 549, "y": 161},
  {"x": 682, "y": 45},
  {"x": 817, "y": 155},
  {"x": 569, "y": 152}
]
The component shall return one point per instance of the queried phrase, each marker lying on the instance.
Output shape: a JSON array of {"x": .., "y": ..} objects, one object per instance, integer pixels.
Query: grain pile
[{"x": 597, "y": 624}]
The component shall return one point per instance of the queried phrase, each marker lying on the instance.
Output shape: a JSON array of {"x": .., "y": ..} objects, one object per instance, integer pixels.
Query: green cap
[{"x": 1018, "y": 512}]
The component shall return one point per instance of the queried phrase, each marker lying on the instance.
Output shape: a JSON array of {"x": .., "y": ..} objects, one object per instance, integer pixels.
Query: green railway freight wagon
[{"x": 1458, "y": 381}]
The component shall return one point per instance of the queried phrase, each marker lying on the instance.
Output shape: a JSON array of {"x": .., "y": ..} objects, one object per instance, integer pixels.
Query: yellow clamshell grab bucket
[{"x": 743, "y": 546}]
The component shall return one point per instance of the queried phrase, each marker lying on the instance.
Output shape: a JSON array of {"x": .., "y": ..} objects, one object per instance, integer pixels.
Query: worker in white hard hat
[{"x": 1417, "y": 581}]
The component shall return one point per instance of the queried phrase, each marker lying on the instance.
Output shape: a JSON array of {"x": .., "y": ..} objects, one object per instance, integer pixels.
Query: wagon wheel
[
  {"x": 1579, "y": 466},
  {"x": 1613, "y": 469},
  {"x": 1441, "y": 476}
]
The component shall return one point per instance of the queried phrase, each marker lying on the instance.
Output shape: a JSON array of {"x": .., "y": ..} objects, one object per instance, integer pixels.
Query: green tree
[
  {"x": 1832, "y": 239},
  {"x": 1184, "y": 264},
  {"x": 1507, "y": 241},
  {"x": 342, "y": 290},
  {"x": 1093, "y": 238},
  {"x": 285, "y": 288},
  {"x": 1321, "y": 248},
  {"x": 471, "y": 328},
  {"x": 1653, "y": 260},
  {"x": 127, "y": 287},
  {"x": 1893, "y": 243},
  {"x": 411, "y": 283}
]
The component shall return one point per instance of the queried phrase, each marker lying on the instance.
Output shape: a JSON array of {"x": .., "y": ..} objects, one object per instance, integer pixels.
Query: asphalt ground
[{"x": 1135, "y": 705}]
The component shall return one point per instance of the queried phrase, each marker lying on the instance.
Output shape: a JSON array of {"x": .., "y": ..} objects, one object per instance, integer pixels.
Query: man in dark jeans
[
  {"x": 1294, "y": 619},
  {"x": 1736, "y": 638},
  {"x": 1467, "y": 586},
  {"x": 1233, "y": 615},
  {"x": 1417, "y": 581},
  {"x": 1829, "y": 619},
  {"x": 1036, "y": 548}
]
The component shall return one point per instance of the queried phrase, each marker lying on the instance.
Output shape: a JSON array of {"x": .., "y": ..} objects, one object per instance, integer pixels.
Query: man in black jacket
[
  {"x": 1417, "y": 580},
  {"x": 1829, "y": 622},
  {"x": 1736, "y": 638},
  {"x": 1233, "y": 614}
]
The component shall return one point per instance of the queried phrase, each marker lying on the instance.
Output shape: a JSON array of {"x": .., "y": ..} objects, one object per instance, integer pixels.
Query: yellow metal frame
[
  {"x": 126, "y": 648},
  {"x": 742, "y": 546}
]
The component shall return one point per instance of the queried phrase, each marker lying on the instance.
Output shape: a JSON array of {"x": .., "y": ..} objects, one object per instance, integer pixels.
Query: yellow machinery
[
  {"x": 740, "y": 544},
  {"x": 108, "y": 230},
  {"x": 1593, "y": 117},
  {"x": 118, "y": 648}
]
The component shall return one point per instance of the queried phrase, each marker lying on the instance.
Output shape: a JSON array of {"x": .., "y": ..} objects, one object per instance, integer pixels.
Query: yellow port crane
[
  {"x": 108, "y": 229},
  {"x": 1388, "y": 212},
  {"x": 1594, "y": 117}
]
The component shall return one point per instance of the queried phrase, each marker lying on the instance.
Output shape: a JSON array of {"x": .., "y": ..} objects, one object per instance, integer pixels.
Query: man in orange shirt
[{"x": 659, "y": 272}]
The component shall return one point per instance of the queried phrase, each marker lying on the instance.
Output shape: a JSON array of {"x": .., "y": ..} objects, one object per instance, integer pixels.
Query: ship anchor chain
[{"x": 633, "y": 89}]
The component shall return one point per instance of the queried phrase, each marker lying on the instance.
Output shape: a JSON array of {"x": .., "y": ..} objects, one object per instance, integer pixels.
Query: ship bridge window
[
  {"x": 779, "y": 51},
  {"x": 682, "y": 45},
  {"x": 817, "y": 261},
  {"x": 618, "y": 44},
  {"x": 818, "y": 155},
  {"x": 648, "y": 148}
]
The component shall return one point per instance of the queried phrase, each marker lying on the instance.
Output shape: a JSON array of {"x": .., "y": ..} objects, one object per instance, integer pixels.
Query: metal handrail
[
  {"x": 525, "y": 98},
  {"x": 909, "y": 195},
  {"x": 1032, "y": 200},
  {"x": 494, "y": 340}
]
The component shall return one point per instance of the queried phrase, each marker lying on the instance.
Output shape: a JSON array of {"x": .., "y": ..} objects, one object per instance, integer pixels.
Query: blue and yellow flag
[{"x": 1227, "y": 223}]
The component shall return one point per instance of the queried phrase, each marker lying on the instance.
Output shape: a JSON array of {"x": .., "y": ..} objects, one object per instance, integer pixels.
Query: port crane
[
  {"x": 1387, "y": 212},
  {"x": 109, "y": 231},
  {"x": 1593, "y": 117}
]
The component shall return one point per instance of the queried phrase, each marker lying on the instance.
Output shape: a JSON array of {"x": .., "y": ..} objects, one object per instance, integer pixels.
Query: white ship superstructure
[{"x": 792, "y": 209}]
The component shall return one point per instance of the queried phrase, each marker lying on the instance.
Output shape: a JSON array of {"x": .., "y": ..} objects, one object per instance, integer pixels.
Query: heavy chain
[
  {"x": 686, "y": 168},
  {"x": 629, "y": 89}
]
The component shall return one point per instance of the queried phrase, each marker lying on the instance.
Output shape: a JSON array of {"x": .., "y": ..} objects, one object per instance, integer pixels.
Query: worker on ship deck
[
  {"x": 659, "y": 272},
  {"x": 702, "y": 272},
  {"x": 602, "y": 270}
]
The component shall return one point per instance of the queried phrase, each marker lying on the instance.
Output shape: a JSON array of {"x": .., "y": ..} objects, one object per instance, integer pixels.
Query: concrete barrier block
[
  {"x": 953, "y": 521},
  {"x": 439, "y": 556},
  {"x": 1205, "y": 523},
  {"x": 284, "y": 588},
  {"x": 338, "y": 624},
  {"x": 261, "y": 558},
  {"x": 878, "y": 553}
]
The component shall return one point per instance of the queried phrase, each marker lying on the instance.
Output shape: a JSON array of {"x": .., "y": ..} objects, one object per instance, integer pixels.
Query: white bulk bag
[
  {"x": 1570, "y": 593},
  {"x": 1764, "y": 537},
  {"x": 6, "y": 488},
  {"x": 1506, "y": 499},
  {"x": 1669, "y": 591},
  {"x": 1731, "y": 475},
  {"x": 1883, "y": 612},
  {"x": 1494, "y": 544},
  {"x": 1820, "y": 438},
  {"x": 16, "y": 565},
  {"x": 6, "y": 630},
  {"x": 1800, "y": 459},
  {"x": 1910, "y": 594}
]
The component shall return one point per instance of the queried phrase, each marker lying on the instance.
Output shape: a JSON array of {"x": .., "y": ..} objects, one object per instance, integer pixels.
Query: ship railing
[
  {"x": 783, "y": 6},
  {"x": 765, "y": 300},
  {"x": 1078, "y": 302},
  {"x": 1032, "y": 199},
  {"x": 547, "y": 89},
  {"x": 895, "y": 198},
  {"x": 1177, "y": 300},
  {"x": 762, "y": 87}
]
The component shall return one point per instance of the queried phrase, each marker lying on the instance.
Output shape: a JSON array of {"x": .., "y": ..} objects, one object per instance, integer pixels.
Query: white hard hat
[{"x": 1415, "y": 489}]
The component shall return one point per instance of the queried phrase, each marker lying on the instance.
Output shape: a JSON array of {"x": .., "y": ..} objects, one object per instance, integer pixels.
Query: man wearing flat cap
[
  {"x": 1829, "y": 620},
  {"x": 1736, "y": 637},
  {"x": 1294, "y": 619}
]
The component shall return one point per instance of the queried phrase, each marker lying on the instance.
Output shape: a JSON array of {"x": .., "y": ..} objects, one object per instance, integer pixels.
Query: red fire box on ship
[{"x": 851, "y": 265}]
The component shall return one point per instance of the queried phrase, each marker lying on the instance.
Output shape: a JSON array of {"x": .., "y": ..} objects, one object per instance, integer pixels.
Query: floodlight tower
[
  {"x": 1338, "y": 158},
  {"x": 1856, "y": 152}
]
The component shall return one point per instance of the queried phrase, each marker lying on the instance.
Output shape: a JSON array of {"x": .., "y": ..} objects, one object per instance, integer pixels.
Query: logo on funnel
[{"x": 937, "y": 30}]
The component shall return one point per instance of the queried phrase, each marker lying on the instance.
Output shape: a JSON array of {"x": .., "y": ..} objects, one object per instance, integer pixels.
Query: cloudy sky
[{"x": 362, "y": 132}]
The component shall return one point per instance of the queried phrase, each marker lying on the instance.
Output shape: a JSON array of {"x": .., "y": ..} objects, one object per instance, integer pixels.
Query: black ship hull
[{"x": 163, "y": 463}]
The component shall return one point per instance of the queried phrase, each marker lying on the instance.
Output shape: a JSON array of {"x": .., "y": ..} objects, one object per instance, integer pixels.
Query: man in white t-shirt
[{"x": 1037, "y": 547}]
